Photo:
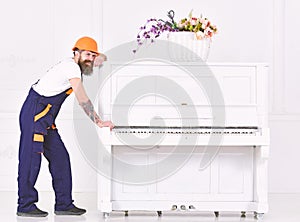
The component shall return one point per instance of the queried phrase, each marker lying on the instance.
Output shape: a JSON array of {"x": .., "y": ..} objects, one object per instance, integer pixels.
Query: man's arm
[
  {"x": 89, "y": 110},
  {"x": 86, "y": 103}
]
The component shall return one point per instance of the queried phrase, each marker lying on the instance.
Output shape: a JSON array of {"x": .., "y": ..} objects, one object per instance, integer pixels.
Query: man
[{"x": 40, "y": 136}]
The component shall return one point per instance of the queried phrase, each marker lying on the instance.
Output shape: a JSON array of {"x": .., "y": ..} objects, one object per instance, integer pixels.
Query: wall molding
[
  {"x": 284, "y": 117},
  {"x": 277, "y": 79}
]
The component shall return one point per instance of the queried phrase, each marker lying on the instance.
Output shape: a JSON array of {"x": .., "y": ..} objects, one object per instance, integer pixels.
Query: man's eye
[{"x": 89, "y": 54}]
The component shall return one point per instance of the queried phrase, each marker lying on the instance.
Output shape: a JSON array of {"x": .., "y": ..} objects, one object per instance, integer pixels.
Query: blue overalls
[{"x": 39, "y": 135}]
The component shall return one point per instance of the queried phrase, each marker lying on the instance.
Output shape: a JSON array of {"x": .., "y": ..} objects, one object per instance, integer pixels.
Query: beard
[{"x": 86, "y": 66}]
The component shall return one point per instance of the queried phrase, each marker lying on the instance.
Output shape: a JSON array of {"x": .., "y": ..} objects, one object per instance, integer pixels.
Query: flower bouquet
[
  {"x": 202, "y": 27},
  {"x": 194, "y": 33}
]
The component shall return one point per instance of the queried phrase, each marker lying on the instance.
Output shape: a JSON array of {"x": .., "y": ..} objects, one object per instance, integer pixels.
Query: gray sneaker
[
  {"x": 35, "y": 213},
  {"x": 73, "y": 211}
]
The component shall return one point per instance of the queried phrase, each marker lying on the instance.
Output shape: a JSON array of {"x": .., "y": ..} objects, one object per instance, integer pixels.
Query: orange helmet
[{"x": 86, "y": 43}]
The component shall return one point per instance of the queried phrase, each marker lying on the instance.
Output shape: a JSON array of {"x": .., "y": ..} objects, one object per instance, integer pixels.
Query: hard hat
[{"x": 86, "y": 43}]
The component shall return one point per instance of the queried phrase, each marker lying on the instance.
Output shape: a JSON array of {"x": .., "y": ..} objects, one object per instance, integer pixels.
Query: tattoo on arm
[{"x": 89, "y": 110}]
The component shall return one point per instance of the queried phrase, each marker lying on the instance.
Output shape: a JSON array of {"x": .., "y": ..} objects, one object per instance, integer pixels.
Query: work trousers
[{"x": 39, "y": 136}]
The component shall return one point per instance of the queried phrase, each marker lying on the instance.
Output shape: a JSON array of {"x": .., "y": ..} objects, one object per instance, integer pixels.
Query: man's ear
[{"x": 76, "y": 56}]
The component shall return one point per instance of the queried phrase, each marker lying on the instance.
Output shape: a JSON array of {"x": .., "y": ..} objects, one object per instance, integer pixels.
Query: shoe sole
[
  {"x": 21, "y": 214},
  {"x": 67, "y": 213}
]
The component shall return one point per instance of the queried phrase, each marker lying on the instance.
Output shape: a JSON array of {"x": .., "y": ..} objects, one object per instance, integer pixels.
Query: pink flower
[
  {"x": 193, "y": 21},
  {"x": 208, "y": 33}
]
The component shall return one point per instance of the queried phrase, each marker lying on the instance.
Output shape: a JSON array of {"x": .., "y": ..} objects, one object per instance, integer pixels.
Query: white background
[{"x": 37, "y": 33}]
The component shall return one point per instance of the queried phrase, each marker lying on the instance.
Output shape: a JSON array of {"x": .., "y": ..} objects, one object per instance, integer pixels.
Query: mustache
[{"x": 85, "y": 61}]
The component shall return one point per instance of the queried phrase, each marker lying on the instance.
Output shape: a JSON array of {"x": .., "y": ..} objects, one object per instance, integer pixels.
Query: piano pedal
[
  {"x": 174, "y": 207},
  {"x": 182, "y": 207}
]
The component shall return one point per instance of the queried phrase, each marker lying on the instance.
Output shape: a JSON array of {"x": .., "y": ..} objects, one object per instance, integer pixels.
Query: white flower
[
  {"x": 202, "y": 20},
  {"x": 200, "y": 35},
  {"x": 181, "y": 25}
]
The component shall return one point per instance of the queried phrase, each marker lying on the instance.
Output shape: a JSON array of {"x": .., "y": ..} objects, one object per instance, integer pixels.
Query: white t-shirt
[{"x": 56, "y": 79}]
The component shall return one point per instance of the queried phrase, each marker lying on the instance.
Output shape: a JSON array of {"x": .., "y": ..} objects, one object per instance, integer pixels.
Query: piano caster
[
  {"x": 258, "y": 216},
  {"x": 243, "y": 214},
  {"x": 217, "y": 213},
  {"x": 159, "y": 213},
  {"x": 191, "y": 207},
  {"x": 126, "y": 213},
  {"x": 105, "y": 215}
]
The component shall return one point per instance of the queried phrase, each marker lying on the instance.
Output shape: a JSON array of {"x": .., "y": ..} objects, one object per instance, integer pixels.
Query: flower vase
[{"x": 185, "y": 47}]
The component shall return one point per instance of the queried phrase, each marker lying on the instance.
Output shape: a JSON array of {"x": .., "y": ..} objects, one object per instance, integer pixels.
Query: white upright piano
[{"x": 188, "y": 137}]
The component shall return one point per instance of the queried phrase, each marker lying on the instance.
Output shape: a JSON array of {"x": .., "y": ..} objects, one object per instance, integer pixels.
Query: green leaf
[{"x": 191, "y": 13}]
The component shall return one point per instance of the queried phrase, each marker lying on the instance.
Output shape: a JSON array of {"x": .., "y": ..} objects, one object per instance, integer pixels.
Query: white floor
[{"x": 283, "y": 207}]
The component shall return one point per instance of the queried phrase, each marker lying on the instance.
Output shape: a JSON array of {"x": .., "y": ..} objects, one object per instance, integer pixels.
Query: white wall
[
  {"x": 285, "y": 94},
  {"x": 36, "y": 33}
]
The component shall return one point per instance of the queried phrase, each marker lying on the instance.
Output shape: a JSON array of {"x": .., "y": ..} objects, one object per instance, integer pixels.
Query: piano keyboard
[{"x": 204, "y": 130}]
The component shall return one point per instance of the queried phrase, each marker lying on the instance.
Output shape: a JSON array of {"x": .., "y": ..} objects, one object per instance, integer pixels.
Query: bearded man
[{"x": 39, "y": 135}]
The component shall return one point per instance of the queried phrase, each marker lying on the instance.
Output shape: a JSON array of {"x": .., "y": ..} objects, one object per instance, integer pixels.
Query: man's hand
[
  {"x": 99, "y": 60},
  {"x": 106, "y": 124}
]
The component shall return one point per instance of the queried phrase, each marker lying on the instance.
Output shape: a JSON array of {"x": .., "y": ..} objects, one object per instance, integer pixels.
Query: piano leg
[
  {"x": 105, "y": 215},
  {"x": 258, "y": 216},
  {"x": 261, "y": 179},
  {"x": 104, "y": 178}
]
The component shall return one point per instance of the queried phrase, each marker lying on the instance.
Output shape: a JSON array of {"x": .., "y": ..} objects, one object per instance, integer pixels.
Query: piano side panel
[{"x": 263, "y": 95}]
